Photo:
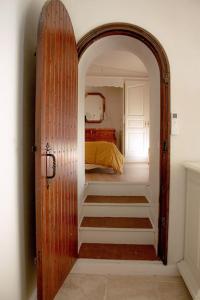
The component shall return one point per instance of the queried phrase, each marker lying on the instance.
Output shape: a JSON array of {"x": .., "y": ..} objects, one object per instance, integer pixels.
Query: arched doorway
[{"x": 156, "y": 48}]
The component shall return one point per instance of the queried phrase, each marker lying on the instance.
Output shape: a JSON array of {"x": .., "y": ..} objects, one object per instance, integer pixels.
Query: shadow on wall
[{"x": 26, "y": 123}]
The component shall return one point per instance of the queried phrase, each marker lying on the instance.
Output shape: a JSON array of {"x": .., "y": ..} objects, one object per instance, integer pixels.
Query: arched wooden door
[{"x": 56, "y": 141}]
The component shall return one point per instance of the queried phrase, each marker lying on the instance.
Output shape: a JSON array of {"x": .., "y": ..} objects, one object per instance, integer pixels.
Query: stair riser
[
  {"x": 128, "y": 268},
  {"x": 115, "y": 211},
  {"x": 113, "y": 189},
  {"x": 117, "y": 237}
]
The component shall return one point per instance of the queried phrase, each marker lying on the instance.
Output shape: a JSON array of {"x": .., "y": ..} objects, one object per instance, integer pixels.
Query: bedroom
[{"x": 117, "y": 111}]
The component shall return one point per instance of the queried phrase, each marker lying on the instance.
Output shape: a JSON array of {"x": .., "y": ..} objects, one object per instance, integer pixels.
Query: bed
[
  {"x": 100, "y": 134},
  {"x": 101, "y": 150}
]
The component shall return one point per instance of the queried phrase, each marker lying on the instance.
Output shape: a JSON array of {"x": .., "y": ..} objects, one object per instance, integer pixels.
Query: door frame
[{"x": 154, "y": 45}]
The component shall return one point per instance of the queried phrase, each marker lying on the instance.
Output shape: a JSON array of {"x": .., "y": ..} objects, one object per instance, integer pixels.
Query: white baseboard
[
  {"x": 190, "y": 281},
  {"x": 122, "y": 267}
]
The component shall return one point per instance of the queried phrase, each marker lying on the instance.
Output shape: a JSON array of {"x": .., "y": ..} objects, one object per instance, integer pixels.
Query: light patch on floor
[
  {"x": 133, "y": 172},
  {"x": 97, "y": 287}
]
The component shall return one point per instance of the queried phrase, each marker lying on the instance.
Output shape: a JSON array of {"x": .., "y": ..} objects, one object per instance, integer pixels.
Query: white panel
[
  {"x": 136, "y": 123},
  {"x": 190, "y": 280},
  {"x": 115, "y": 211},
  {"x": 192, "y": 246},
  {"x": 117, "y": 189},
  {"x": 88, "y": 235},
  {"x": 136, "y": 143},
  {"x": 190, "y": 266},
  {"x": 136, "y": 101}
]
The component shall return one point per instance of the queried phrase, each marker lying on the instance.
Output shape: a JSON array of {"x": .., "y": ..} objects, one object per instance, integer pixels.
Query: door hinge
[
  {"x": 165, "y": 147},
  {"x": 34, "y": 148}
]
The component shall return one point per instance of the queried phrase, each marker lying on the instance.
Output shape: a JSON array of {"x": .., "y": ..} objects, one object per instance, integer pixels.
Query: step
[
  {"x": 116, "y": 230},
  {"x": 115, "y": 206},
  {"x": 116, "y": 199},
  {"x": 117, "y": 189},
  {"x": 116, "y": 267},
  {"x": 117, "y": 251}
]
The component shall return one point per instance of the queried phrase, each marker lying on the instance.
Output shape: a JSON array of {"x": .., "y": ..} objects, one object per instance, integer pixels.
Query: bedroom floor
[{"x": 133, "y": 172}]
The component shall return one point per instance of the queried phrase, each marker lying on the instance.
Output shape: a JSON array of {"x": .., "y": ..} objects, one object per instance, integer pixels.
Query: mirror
[{"x": 94, "y": 107}]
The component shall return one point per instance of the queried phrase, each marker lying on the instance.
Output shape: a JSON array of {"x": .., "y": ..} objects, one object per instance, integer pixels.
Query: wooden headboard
[{"x": 100, "y": 134}]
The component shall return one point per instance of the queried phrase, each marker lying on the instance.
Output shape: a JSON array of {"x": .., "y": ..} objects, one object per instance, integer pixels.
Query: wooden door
[
  {"x": 56, "y": 141},
  {"x": 136, "y": 121}
]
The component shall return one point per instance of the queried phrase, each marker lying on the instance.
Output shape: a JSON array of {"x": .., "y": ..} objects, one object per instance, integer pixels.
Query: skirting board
[
  {"x": 189, "y": 279},
  {"x": 123, "y": 267}
]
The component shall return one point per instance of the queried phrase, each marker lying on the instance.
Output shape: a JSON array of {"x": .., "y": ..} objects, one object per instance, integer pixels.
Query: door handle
[{"x": 53, "y": 166}]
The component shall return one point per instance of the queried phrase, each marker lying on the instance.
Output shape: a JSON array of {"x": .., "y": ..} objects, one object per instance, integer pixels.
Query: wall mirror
[{"x": 94, "y": 107}]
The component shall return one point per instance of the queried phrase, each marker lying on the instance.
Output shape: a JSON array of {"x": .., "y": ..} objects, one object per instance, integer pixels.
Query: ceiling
[{"x": 117, "y": 63}]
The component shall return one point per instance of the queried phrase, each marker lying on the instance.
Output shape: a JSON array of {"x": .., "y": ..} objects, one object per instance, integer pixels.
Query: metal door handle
[{"x": 53, "y": 167}]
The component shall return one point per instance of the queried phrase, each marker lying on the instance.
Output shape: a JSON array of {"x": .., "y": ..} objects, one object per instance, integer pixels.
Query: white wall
[
  {"x": 17, "y": 73},
  {"x": 113, "y": 117},
  {"x": 9, "y": 153},
  {"x": 175, "y": 23}
]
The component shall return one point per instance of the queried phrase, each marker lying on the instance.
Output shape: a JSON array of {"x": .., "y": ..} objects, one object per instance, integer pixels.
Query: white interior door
[{"x": 136, "y": 121}]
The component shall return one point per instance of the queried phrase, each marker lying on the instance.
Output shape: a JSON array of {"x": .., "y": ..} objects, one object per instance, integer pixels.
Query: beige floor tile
[
  {"x": 97, "y": 287},
  {"x": 83, "y": 287},
  {"x": 130, "y": 287},
  {"x": 173, "y": 291}
]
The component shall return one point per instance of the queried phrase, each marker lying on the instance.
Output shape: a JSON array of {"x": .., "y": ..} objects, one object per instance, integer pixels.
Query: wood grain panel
[{"x": 56, "y": 124}]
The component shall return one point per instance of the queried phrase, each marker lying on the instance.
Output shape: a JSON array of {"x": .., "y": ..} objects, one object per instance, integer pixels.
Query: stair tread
[
  {"x": 116, "y": 199},
  {"x": 117, "y": 251},
  {"x": 116, "y": 222}
]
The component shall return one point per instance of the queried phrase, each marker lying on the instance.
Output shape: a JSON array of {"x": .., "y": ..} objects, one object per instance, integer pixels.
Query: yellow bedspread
[{"x": 104, "y": 154}]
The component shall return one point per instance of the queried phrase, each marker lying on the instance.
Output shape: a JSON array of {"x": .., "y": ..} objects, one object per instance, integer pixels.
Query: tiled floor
[
  {"x": 133, "y": 172},
  {"x": 97, "y": 287}
]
